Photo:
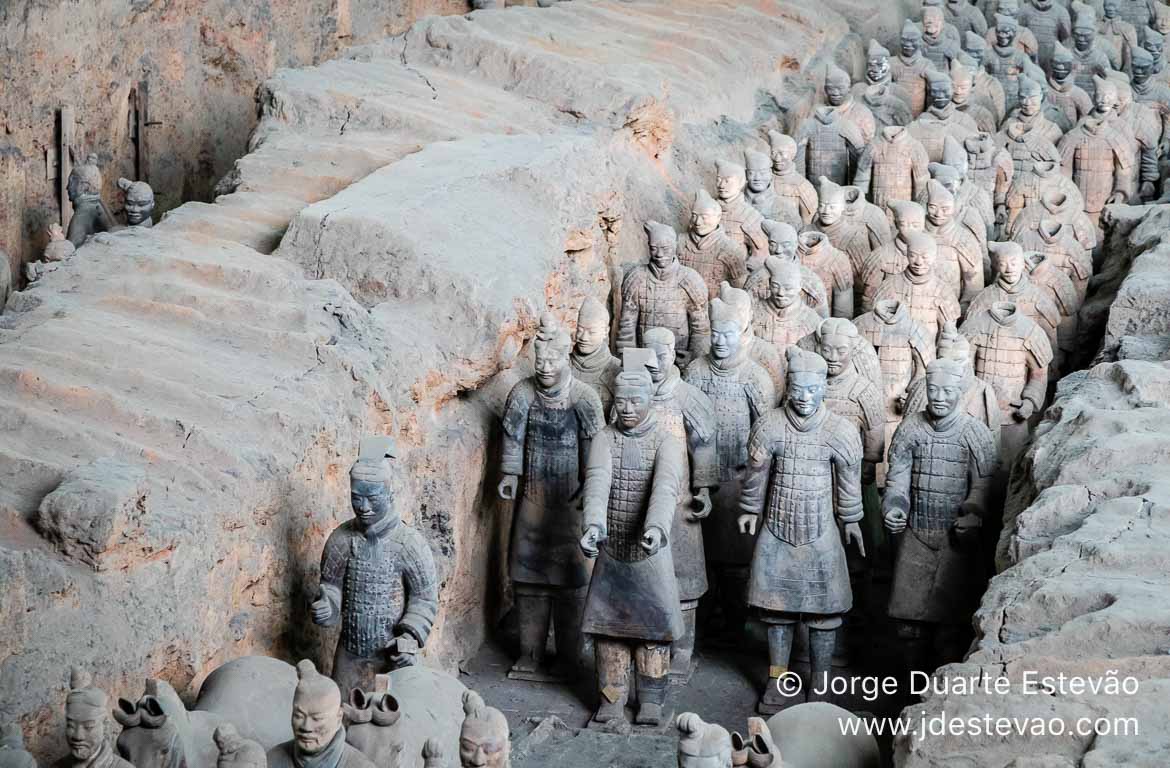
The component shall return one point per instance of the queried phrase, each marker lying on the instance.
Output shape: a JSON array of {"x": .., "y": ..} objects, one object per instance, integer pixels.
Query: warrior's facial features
[
  {"x": 1011, "y": 267},
  {"x": 784, "y": 290},
  {"x": 836, "y": 349},
  {"x": 785, "y": 248},
  {"x": 943, "y": 392},
  {"x": 551, "y": 363},
  {"x": 976, "y": 55},
  {"x": 84, "y": 736},
  {"x": 877, "y": 68},
  {"x": 932, "y": 21},
  {"x": 1110, "y": 8},
  {"x": 836, "y": 93},
  {"x": 961, "y": 90},
  {"x": 1030, "y": 105},
  {"x": 138, "y": 208},
  {"x": 632, "y": 404},
  {"x": 920, "y": 261},
  {"x": 940, "y": 211},
  {"x": 909, "y": 45},
  {"x": 725, "y": 339},
  {"x": 941, "y": 93},
  {"x": 370, "y": 501},
  {"x": 1061, "y": 70},
  {"x": 1154, "y": 47},
  {"x": 907, "y": 224},
  {"x": 1005, "y": 35},
  {"x": 664, "y": 360},
  {"x": 590, "y": 337},
  {"x": 831, "y": 209},
  {"x": 1141, "y": 73},
  {"x": 1083, "y": 38},
  {"x": 758, "y": 179},
  {"x": 705, "y": 223},
  {"x": 1105, "y": 99},
  {"x": 729, "y": 186},
  {"x": 784, "y": 159},
  {"x": 662, "y": 256},
  {"x": 479, "y": 748},
  {"x": 315, "y": 721},
  {"x": 804, "y": 392}
]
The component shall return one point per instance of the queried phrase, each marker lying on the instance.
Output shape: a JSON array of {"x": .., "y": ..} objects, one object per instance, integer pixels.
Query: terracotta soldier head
[
  {"x": 1109, "y": 8},
  {"x": 592, "y": 332},
  {"x": 730, "y": 179},
  {"x": 633, "y": 391},
  {"x": 962, "y": 81},
  {"x": 484, "y": 738},
  {"x": 1006, "y": 29},
  {"x": 86, "y": 716},
  {"x": 370, "y": 487},
  {"x": 1010, "y": 264},
  {"x": 235, "y": 751},
  {"x": 1154, "y": 44},
  {"x": 1104, "y": 96},
  {"x": 921, "y": 252},
  {"x": 940, "y": 205},
  {"x": 831, "y": 208},
  {"x": 1084, "y": 30},
  {"x": 783, "y": 152},
  {"x": 84, "y": 179},
  {"x": 316, "y": 710},
  {"x": 908, "y": 217},
  {"x": 836, "y": 338},
  {"x": 877, "y": 62},
  {"x": 805, "y": 386},
  {"x": 783, "y": 282},
  {"x": 837, "y": 86},
  {"x": 758, "y": 170},
  {"x": 781, "y": 239},
  {"x": 1062, "y": 64},
  {"x": 1031, "y": 96},
  {"x": 702, "y": 745},
  {"x": 740, "y": 302},
  {"x": 911, "y": 40},
  {"x": 1142, "y": 64},
  {"x": 975, "y": 46},
  {"x": 941, "y": 91},
  {"x": 660, "y": 341},
  {"x": 726, "y": 329},
  {"x": 945, "y": 383},
  {"x": 662, "y": 242},
  {"x": 932, "y": 21},
  {"x": 139, "y": 201},
  {"x": 551, "y": 349}
]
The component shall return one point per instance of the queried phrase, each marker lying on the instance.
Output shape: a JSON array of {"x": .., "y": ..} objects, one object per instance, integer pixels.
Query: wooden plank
[
  {"x": 142, "y": 150},
  {"x": 65, "y": 163}
]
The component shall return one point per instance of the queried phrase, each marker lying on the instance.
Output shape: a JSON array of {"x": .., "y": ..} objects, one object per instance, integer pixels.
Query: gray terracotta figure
[
  {"x": 1092, "y": 58},
  {"x": 893, "y": 167},
  {"x": 1153, "y": 93},
  {"x": 1118, "y": 33},
  {"x": 741, "y": 221},
  {"x": 1065, "y": 102},
  {"x": 1024, "y": 143},
  {"x": 832, "y": 266},
  {"x": 960, "y": 257},
  {"x": 378, "y": 578},
  {"x": 235, "y": 751},
  {"x": 139, "y": 202},
  {"x": 484, "y": 737},
  {"x": 318, "y": 733},
  {"x": 1049, "y": 21},
  {"x": 549, "y": 420},
  {"x": 666, "y": 294},
  {"x": 909, "y": 68},
  {"x": 941, "y": 119},
  {"x": 803, "y": 478},
  {"x": 1143, "y": 123},
  {"x": 702, "y": 745},
  {"x": 150, "y": 738},
  {"x": 1097, "y": 155},
  {"x": 1057, "y": 242},
  {"x": 1025, "y": 41},
  {"x": 780, "y": 318},
  {"x": 839, "y": 96},
  {"x": 787, "y": 181},
  {"x": 88, "y": 732},
  {"x": 853, "y": 397},
  {"x": 1006, "y": 62},
  {"x": 985, "y": 89},
  {"x": 708, "y": 250},
  {"x": 591, "y": 360},
  {"x": 761, "y": 193},
  {"x": 90, "y": 214},
  {"x": 939, "y": 48},
  {"x": 1137, "y": 12},
  {"x": 12, "y": 751},
  {"x": 1014, "y": 286},
  {"x": 687, "y": 413},
  {"x": 1153, "y": 42},
  {"x": 742, "y": 392},
  {"x": 782, "y": 244},
  {"x": 965, "y": 17},
  {"x": 878, "y": 93},
  {"x": 1055, "y": 202},
  {"x": 632, "y": 484},
  {"x": 930, "y": 301},
  {"x": 873, "y": 218},
  {"x": 941, "y": 465},
  {"x": 829, "y": 146},
  {"x": 1046, "y": 274},
  {"x": 1011, "y": 353},
  {"x": 767, "y": 356},
  {"x": 372, "y": 726},
  {"x": 974, "y": 206},
  {"x": 903, "y": 351},
  {"x": 963, "y": 97},
  {"x": 990, "y": 167},
  {"x": 891, "y": 259},
  {"x": 848, "y": 235},
  {"x": 978, "y": 400},
  {"x": 1030, "y": 112}
]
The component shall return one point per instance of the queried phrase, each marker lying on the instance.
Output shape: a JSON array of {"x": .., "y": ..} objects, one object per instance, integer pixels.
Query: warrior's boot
[
  {"x": 739, "y": 750},
  {"x": 653, "y": 663},
  {"x": 533, "y": 609},
  {"x": 613, "y": 678},
  {"x": 683, "y": 649},
  {"x": 820, "y": 653},
  {"x": 781, "y": 689}
]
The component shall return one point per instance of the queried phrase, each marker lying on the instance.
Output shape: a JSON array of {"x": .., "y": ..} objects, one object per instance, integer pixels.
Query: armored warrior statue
[
  {"x": 1154, "y": 44},
  {"x": 666, "y": 294},
  {"x": 1025, "y": 41},
  {"x": 761, "y": 193},
  {"x": 549, "y": 420},
  {"x": 780, "y": 317},
  {"x": 782, "y": 243},
  {"x": 741, "y": 391},
  {"x": 592, "y": 362},
  {"x": 939, "y": 48},
  {"x": 847, "y": 235},
  {"x": 632, "y": 484},
  {"x": 1144, "y": 124},
  {"x": 974, "y": 206},
  {"x": 1092, "y": 59},
  {"x": 903, "y": 352},
  {"x": 788, "y": 182},
  {"x": 1011, "y": 353},
  {"x": 741, "y": 221},
  {"x": 839, "y": 96},
  {"x": 960, "y": 257},
  {"x": 878, "y": 93},
  {"x": 688, "y": 414},
  {"x": 941, "y": 465},
  {"x": 965, "y": 17},
  {"x": 1030, "y": 112},
  {"x": 891, "y": 259},
  {"x": 909, "y": 68},
  {"x": 893, "y": 168},
  {"x": 1012, "y": 285},
  {"x": 1153, "y": 93},
  {"x": 318, "y": 731},
  {"x": 1050, "y": 22},
  {"x": 978, "y": 399},
  {"x": 1057, "y": 243},
  {"x": 828, "y": 146},
  {"x": 139, "y": 203},
  {"x": 1054, "y": 202},
  {"x": 1096, "y": 154},
  {"x": 941, "y": 119},
  {"x": 990, "y": 167},
  {"x": 1006, "y": 62},
  {"x": 803, "y": 476},
  {"x": 765, "y": 355},
  {"x": 985, "y": 89},
  {"x": 707, "y": 249},
  {"x": 484, "y": 739},
  {"x": 1117, "y": 33},
  {"x": 833, "y": 268},
  {"x": 1049, "y": 277},
  {"x": 87, "y": 726},
  {"x": 931, "y": 303},
  {"x": 90, "y": 214},
  {"x": 1024, "y": 142},
  {"x": 873, "y": 218},
  {"x": 1065, "y": 102},
  {"x": 377, "y": 578},
  {"x": 963, "y": 86}
]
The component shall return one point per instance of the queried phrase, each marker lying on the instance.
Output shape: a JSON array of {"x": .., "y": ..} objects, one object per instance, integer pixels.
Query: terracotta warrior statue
[
  {"x": 666, "y": 294},
  {"x": 1024, "y": 141},
  {"x": 1137, "y": 12},
  {"x": 963, "y": 87},
  {"x": 985, "y": 89},
  {"x": 591, "y": 360},
  {"x": 965, "y": 17},
  {"x": 939, "y": 48},
  {"x": 741, "y": 221},
  {"x": 848, "y": 235},
  {"x": 990, "y": 167},
  {"x": 318, "y": 733},
  {"x": 1097, "y": 155},
  {"x": 903, "y": 351},
  {"x": 1011, "y": 353},
  {"x": 878, "y": 93},
  {"x": 484, "y": 738},
  {"x": 742, "y": 392},
  {"x": 1006, "y": 62},
  {"x": 1046, "y": 274},
  {"x": 632, "y": 485},
  {"x": 1092, "y": 57},
  {"x": 908, "y": 70},
  {"x": 839, "y": 96},
  {"x": 978, "y": 399},
  {"x": 1049, "y": 21},
  {"x": 378, "y": 578},
  {"x": 702, "y": 745},
  {"x": 974, "y": 206},
  {"x": 87, "y": 726},
  {"x": 1118, "y": 33},
  {"x": 1065, "y": 101},
  {"x": 90, "y": 214},
  {"x": 767, "y": 356},
  {"x": 707, "y": 249},
  {"x": 893, "y": 167},
  {"x": 803, "y": 478},
  {"x": 832, "y": 266},
  {"x": 1155, "y": 44},
  {"x": 782, "y": 244},
  {"x": 941, "y": 465},
  {"x": 1153, "y": 93},
  {"x": 941, "y": 119},
  {"x": 1030, "y": 112},
  {"x": 1025, "y": 41},
  {"x": 932, "y": 303},
  {"x": 687, "y": 413},
  {"x": 139, "y": 202},
  {"x": 891, "y": 259},
  {"x": 780, "y": 317},
  {"x": 1060, "y": 248},
  {"x": 788, "y": 182},
  {"x": 549, "y": 420},
  {"x": 761, "y": 193},
  {"x": 960, "y": 257},
  {"x": 1013, "y": 285},
  {"x": 1143, "y": 123},
  {"x": 829, "y": 146},
  {"x": 12, "y": 751},
  {"x": 1058, "y": 199}
]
